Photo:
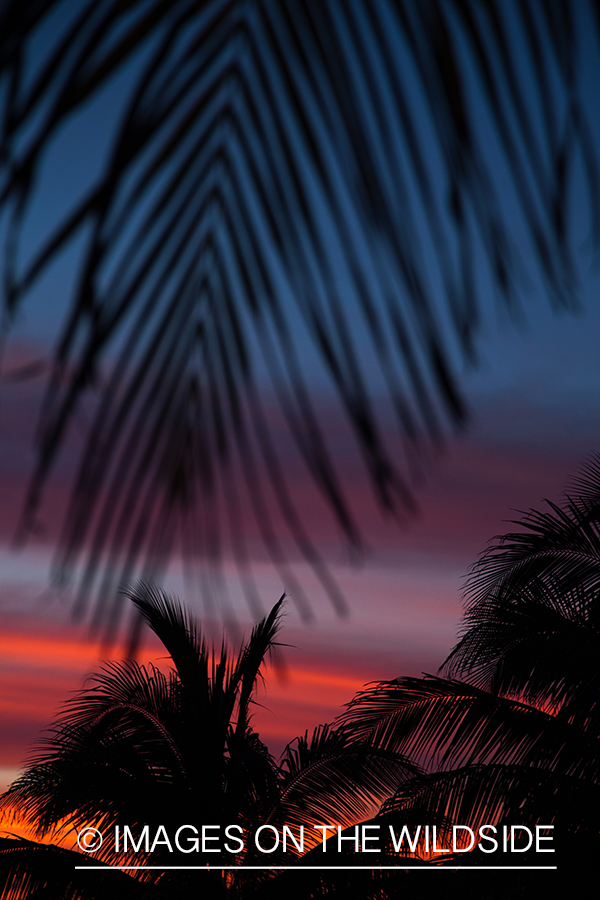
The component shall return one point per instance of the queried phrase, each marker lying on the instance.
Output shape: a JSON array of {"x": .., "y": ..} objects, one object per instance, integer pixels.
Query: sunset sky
[
  {"x": 535, "y": 415},
  {"x": 534, "y": 400}
]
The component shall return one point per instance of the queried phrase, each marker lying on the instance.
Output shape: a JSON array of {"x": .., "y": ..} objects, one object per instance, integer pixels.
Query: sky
[{"x": 534, "y": 417}]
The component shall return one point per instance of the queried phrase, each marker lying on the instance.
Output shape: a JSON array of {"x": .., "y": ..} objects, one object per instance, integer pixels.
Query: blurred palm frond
[{"x": 292, "y": 185}]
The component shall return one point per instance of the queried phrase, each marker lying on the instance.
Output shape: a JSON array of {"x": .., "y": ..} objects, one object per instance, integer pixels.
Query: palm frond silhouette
[
  {"x": 29, "y": 869},
  {"x": 515, "y": 740},
  {"x": 358, "y": 178},
  {"x": 145, "y": 748}
]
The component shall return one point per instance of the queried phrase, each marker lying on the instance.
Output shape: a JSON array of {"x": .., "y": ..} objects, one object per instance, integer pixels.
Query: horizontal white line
[{"x": 315, "y": 868}]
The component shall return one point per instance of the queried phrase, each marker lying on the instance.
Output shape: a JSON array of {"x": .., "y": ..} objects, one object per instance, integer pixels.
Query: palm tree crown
[
  {"x": 515, "y": 740},
  {"x": 141, "y": 747}
]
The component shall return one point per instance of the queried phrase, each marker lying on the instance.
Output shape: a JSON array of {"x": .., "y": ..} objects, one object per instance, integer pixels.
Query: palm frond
[
  {"x": 439, "y": 723},
  {"x": 533, "y": 643},
  {"x": 531, "y": 623},
  {"x": 117, "y": 754},
  {"x": 561, "y": 545},
  {"x": 331, "y": 778},
  {"x": 179, "y": 634},
  {"x": 585, "y": 486},
  {"x": 250, "y": 661},
  {"x": 30, "y": 870},
  {"x": 283, "y": 174},
  {"x": 491, "y": 794}
]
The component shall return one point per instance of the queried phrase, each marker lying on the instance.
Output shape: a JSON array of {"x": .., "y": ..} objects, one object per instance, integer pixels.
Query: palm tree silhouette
[
  {"x": 284, "y": 173},
  {"x": 143, "y": 748},
  {"x": 510, "y": 735}
]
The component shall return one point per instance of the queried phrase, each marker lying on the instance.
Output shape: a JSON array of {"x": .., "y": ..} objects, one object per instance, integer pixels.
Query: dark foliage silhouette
[
  {"x": 32, "y": 870},
  {"x": 351, "y": 176},
  {"x": 515, "y": 739},
  {"x": 145, "y": 748}
]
